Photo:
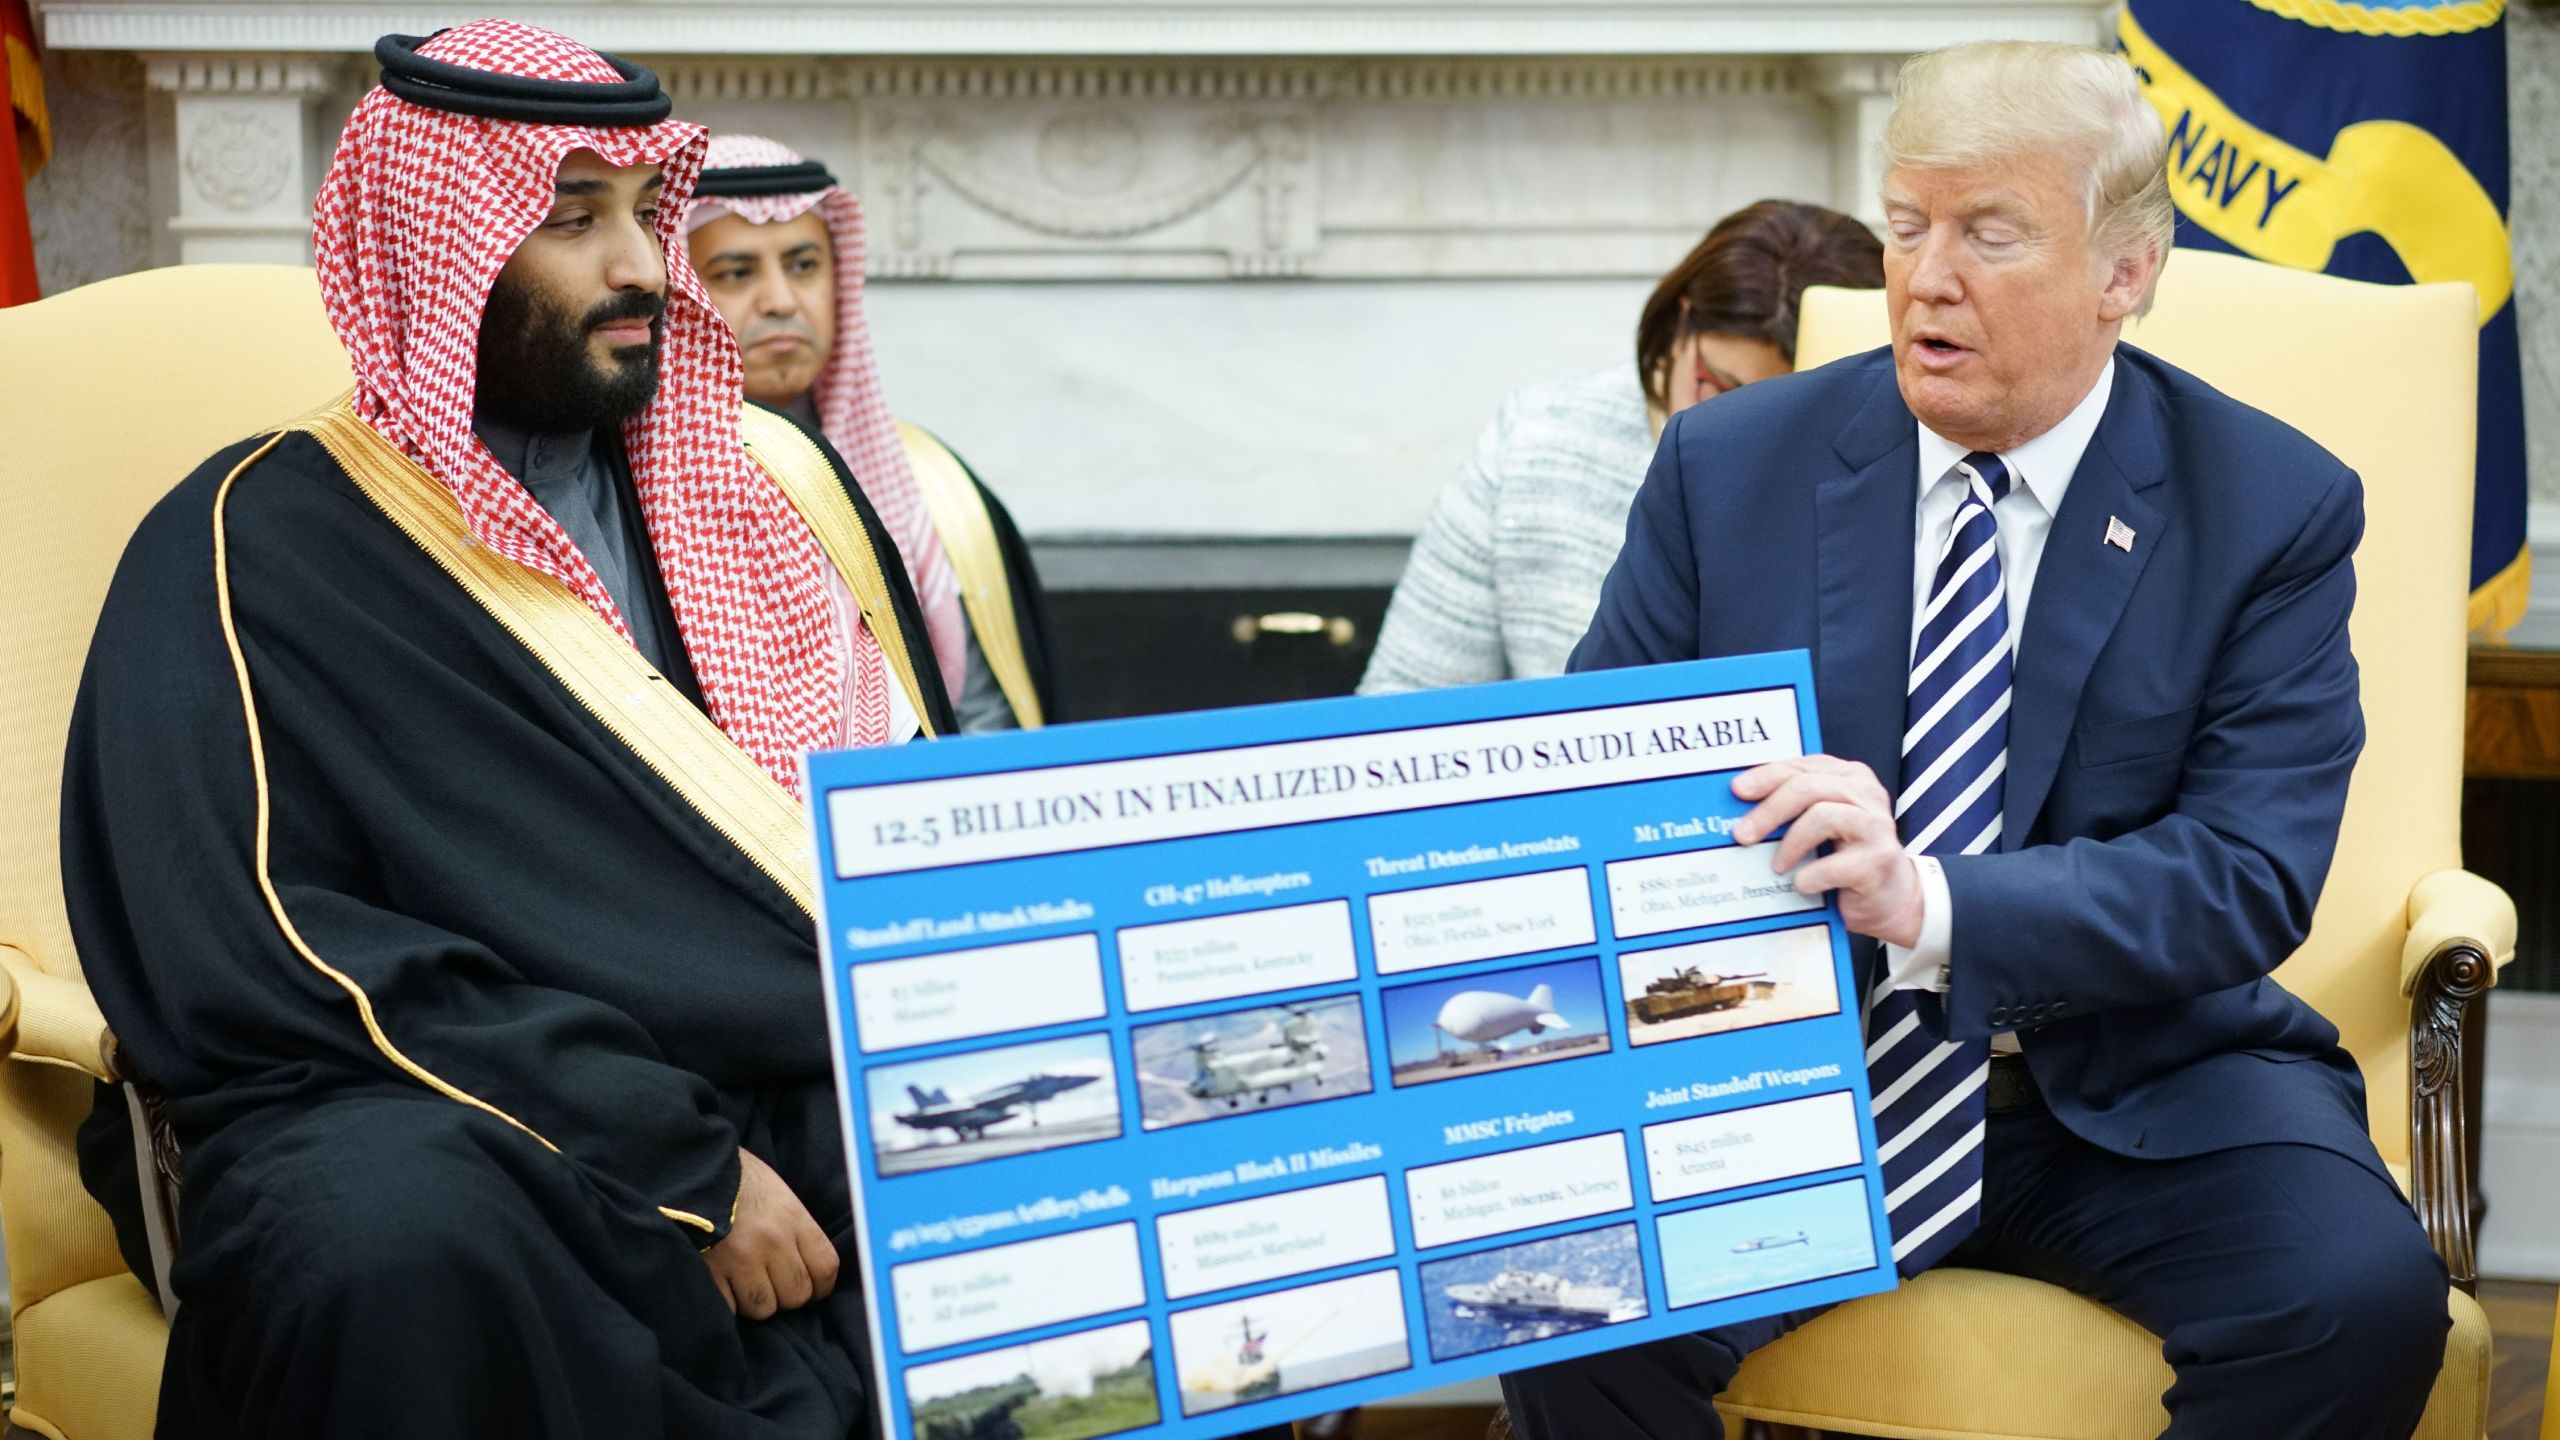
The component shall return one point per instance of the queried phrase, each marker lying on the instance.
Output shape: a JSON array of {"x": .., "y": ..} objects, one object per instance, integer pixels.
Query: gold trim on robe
[
  {"x": 603, "y": 671},
  {"x": 600, "y": 669},
  {"x": 265, "y": 812},
  {"x": 968, "y": 534},
  {"x": 809, "y": 482}
]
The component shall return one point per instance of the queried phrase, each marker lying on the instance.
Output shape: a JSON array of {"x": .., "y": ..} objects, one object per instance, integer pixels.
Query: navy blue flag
[{"x": 2366, "y": 140}]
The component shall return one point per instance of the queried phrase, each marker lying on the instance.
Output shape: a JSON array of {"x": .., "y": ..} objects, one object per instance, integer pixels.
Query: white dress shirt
[{"x": 2040, "y": 473}]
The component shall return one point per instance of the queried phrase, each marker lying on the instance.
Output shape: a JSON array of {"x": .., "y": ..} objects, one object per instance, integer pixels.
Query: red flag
[{"x": 23, "y": 115}]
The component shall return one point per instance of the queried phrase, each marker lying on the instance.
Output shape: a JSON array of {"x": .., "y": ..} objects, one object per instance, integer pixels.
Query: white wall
[{"x": 1250, "y": 409}]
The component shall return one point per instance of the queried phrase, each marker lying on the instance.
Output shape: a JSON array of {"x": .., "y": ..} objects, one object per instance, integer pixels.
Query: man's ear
[{"x": 2128, "y": 280}]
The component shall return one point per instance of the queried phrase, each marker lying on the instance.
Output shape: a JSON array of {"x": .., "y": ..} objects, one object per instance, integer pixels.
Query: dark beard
[{"x": 535, "y": 375}]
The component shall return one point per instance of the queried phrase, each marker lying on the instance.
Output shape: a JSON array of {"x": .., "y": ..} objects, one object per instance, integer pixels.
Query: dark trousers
[
  {"x": 400, "y": 1267},
  {"x": 2294, "y": 1293}
]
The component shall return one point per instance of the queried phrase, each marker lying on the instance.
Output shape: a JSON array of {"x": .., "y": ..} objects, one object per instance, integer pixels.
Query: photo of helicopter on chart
[
  {"x": 987, "y": 1104},
  {"x": 1480, "y": 1024},
  {"x": 1245, "y": 1062}
]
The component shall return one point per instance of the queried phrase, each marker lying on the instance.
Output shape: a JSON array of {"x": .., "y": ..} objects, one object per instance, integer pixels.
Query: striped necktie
[{"x": 1955, "y": 748}]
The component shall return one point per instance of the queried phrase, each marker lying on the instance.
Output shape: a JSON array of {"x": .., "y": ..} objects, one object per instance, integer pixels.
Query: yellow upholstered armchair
[
  {"x": 109, "y": 395},
  {"x": 2404, "y": 939}
]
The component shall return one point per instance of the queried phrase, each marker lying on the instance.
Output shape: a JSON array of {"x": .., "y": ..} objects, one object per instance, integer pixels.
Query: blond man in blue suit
[{"x": 2079, "y": 627}]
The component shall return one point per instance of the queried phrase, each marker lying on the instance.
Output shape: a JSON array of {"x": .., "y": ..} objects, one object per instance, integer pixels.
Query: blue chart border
[{"x": 1266, "y": 1366}]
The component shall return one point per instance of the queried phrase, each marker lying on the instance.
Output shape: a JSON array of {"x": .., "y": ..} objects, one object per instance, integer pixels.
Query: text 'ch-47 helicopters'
[
  {"x": 1293, "y": 1051},
  {"x": 969, "y": 1119}
]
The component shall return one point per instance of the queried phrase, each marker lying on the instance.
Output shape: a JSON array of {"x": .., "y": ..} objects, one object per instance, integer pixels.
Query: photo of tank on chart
[{"x": 1680, "y": 992}]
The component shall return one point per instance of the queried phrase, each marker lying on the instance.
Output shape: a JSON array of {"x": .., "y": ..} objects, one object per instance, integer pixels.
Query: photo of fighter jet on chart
[
  {"x": 986, "y": 1104},
  {"x": 1479, "y": 1024},
  {"x": 1248, "y": 1061}
]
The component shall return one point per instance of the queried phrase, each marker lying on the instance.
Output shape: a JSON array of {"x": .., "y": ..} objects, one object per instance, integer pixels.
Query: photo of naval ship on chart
[
  {"x": 1514, "y": 1294},
  {"x": 987, "y": 1104}
]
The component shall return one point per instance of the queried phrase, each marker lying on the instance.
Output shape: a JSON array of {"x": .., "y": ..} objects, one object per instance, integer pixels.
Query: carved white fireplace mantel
[
  {"x": 945, "y": 28},
  {"x": 1430, "y": 201}
]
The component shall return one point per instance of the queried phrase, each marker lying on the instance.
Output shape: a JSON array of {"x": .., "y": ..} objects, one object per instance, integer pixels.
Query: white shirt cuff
[{"x": 1924, "y": 965}]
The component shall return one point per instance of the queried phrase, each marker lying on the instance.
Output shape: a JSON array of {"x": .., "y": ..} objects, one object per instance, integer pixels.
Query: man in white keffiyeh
[{"x": 779, "y": 246}]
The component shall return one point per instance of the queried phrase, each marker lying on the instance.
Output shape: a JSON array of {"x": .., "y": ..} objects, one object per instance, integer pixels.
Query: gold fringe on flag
[
  {"x": 26, "y": 96},
  {"x": 2498, "y": 605}
]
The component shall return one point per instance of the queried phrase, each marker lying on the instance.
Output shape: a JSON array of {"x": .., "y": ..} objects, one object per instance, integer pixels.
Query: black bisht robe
[{"x": 461, "y": 1063}]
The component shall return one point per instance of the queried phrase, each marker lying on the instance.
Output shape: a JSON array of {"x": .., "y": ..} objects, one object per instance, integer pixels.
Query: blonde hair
[{"x": 1993, "y": 100}]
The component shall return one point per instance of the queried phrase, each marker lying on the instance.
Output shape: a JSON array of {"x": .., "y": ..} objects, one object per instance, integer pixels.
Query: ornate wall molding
[
  {"x": 1087, "y": 165},
  {"x": 1105, "y": 27},
  {"x": 783, "y": 79},
  {"x": 1377, "y": 168},
  {"x": 247, "y": 152},
  {"x": 1145, "y": 166},
  {"x": 1609, "y": 79},
  {"x": 1089, "y": 173},
  {"x": 240, "y": 160},
  {"x": 297, "y": 75},
  {"x": 1125, "y": 81}
]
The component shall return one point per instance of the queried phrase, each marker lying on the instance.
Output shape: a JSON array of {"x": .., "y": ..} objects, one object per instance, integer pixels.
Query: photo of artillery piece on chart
[
  {"x": 986, "y": 1104},
  {"x": 1716, "y": 986},
  {"x": 1248, "y": 1061},
  {"x": 1072, "y": 1387}
]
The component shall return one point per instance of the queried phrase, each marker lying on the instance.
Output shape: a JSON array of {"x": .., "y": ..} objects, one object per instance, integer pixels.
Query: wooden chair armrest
[
  {"x": 2462, "y": 930},
  {"x": 2454, "y": 907},
  {"x": 58, "y": 1022}
]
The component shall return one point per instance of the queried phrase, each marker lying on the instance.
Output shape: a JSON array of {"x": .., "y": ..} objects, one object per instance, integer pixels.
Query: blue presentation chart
[{"x": 1210, "y": 1071}]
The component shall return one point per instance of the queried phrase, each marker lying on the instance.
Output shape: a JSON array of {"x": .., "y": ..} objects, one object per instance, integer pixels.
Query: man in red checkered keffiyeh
[
  {"x": 795, "y": 301},
  {"x": 418, "y": 216},
  {"x": 431, "y": 822}
]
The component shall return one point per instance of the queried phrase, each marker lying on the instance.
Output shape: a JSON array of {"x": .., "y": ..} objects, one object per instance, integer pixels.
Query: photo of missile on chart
[
  {"x": 1248, "y": 1061},
  {"x": 987, "y": 1104},
  {"x": 1289, "y": 1340},
  {"x": 1503, "y": 1020}
]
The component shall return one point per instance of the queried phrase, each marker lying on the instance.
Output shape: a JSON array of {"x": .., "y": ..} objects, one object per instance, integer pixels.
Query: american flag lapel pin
[{"x": 2119, "y": 534}]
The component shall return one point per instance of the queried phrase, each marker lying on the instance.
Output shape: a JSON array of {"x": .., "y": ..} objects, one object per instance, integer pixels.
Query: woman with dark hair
[{"x": 1507, "y": 571}]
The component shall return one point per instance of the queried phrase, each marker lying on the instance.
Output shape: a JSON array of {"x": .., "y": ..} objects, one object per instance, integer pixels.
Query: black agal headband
[
  {"x": 436, "y": 85},
  {"x": 738, "y": 182}
]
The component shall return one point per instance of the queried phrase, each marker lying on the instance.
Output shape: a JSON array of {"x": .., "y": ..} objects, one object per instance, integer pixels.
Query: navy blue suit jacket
[{"x": 2184, "y": 718}]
